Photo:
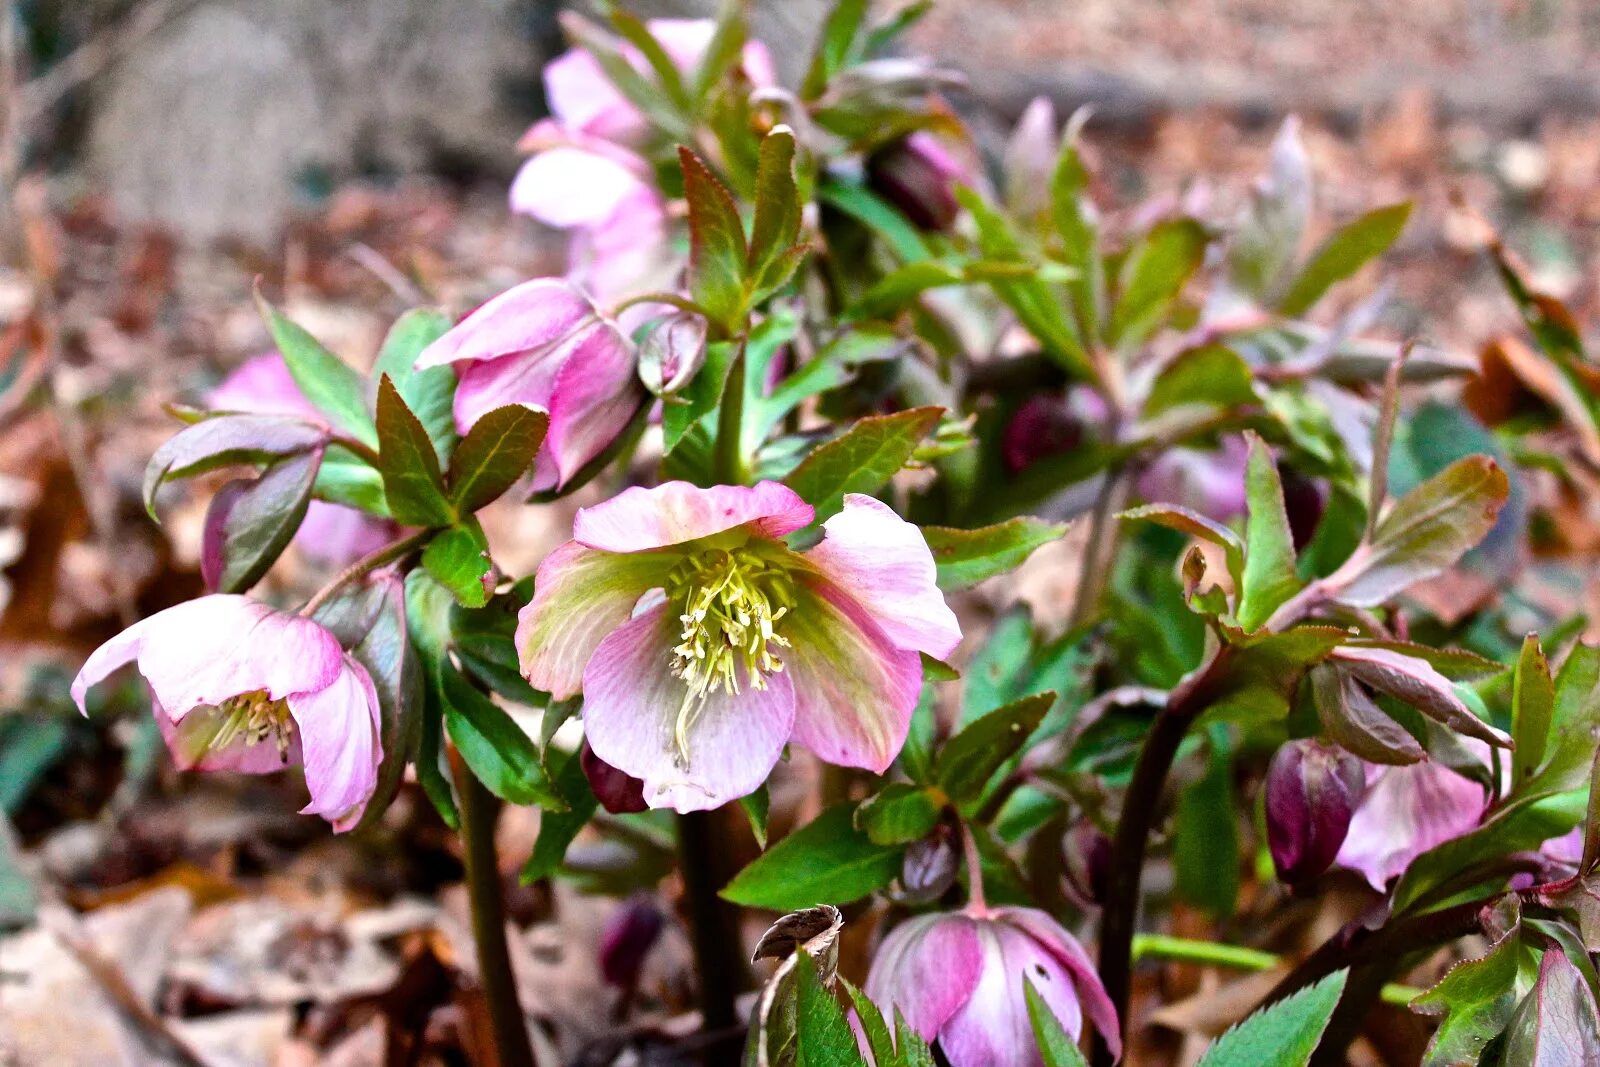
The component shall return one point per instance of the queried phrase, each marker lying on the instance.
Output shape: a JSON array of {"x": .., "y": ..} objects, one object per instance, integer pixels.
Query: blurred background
[{"x": 157, "y": 157}]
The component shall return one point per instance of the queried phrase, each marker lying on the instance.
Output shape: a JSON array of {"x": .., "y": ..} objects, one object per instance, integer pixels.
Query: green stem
[
  {"x": 728, "y": 465},
  {"x": 395, "y": 550},
  {"x": 1188, "y": 950},
  {"x": 479, "y": 810}
]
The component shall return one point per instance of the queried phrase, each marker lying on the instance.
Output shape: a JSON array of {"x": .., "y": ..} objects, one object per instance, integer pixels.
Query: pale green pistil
[
  {"x": 254, "y": 717},
  {"x": 730, "y": 603}
]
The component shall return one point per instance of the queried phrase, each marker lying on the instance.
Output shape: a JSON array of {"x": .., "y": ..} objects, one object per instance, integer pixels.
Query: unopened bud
[
  {"x": 1312, "y": 790},
  {"x": 618, "y": 791},
  {"x": 1304, "y": 499},
  {"x": 929, "y": 868},
  {"x": 917, "y": 175},
  {"x": 1087, "y": 852},
  {"x": 672, "y": 352},
  {"x": 628, "y": 936},
  {"x": 1051, "y": 425}
]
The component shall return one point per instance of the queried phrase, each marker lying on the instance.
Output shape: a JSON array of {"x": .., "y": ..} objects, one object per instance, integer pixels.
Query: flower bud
[
  {"x": 1087, "y": 852},
  {"x": 918, "y": 176},
  {"x": 1047, "y": 426},
  {"x": 1312, "y": 790},
  {"x": 1304, "y": 499},
  {"x": 672, "y": 352},
  {"x": 629, "y": 934},
  {"x": 618, "y": 791},
  {"x": 929, "y": 868}
]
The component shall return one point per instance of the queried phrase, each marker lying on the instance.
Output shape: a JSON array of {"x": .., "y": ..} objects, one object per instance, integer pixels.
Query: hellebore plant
[{"x": 865, "y": 377}]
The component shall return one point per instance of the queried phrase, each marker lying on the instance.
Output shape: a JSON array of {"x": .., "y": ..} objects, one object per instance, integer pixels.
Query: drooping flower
[
  {"x": 919, "y": 175},
  {"x": 703, "y": 644},
  {"x": 543, "y": 344},
  {"x": 330, "y": 534},
  {"x": 1312, "y": 790},
  {"x": 240, "y": 686},
  {"x": 586, "y": 174},
  {"x": 957, "y": 977},
  {"x": 1406, "y": 811}
]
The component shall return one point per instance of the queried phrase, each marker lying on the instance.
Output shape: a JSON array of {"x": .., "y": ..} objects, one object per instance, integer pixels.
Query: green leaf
[
  {"x": 1153, "y": 276},
  {"x": 701, "y": 397},
  {"x": 1476, "y": 999},
  {"x": 1344, "y": 252},
  {"x": 430, "y": 393},
  {"x": 1206, "y": 843},
  {"x": 1212, "y": 374},
  {"x": 1269, "y": 573},
  {"x": 900, "y": 287},
  {"x": 496, "y": 452},
  {"x": 862, "y": 459},
  {"x": 826, "y": 861},
  {"x": 1574, "y": 722},
  {"x": 877, "y": 215},
  {"x": 496, "y": 749},
  {"x": 412, "y": 481},
  {"x": 996, "y": 673},
  {"x": 1080, "y": 235},
  {"x": 879, "y": 1041},
  {"x": 756, "y": 807},
  {"x": 776, "y": 226},
  {"x": 557, "y": 829},
  {"x": 1533, "y": 700},
  {"x": 256, "y": 520},
  {"x": 1194, "y": 524},
  {"x": 967, "y": 557},
  {"x": 640, "y": 91},
  {"x": 1425, "y": 532},
  {"x": 428, "y": 622},
  {"x": 724, "y": 51},
  {"x": 971, "y": 757},
  {"x": 1056, "y": 1046},
  {"x": 914, "y": 1051},
  {"x": 348, "y": 479},
  {"x": 823, "y": 1037},
  {"x": 716, "y": 245},
  {"x": 225, "y": 441},
  {"x": 458, "y": 559},
  {"x": 899, "y": 814},
  {"x": 331, "y": 385},
  {"x": 633, "y": 30},
  {"x": 1284, "y": 1034},
  {"x": 833, "y": 46},
  {"x": 29, "y": 746}
]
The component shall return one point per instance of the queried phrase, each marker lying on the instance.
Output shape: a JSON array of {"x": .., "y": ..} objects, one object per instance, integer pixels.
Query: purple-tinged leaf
[
  {"x": 497, "y": 451},
  {"x": 1353, "y": 720},
  {"x": 1557, "y": 1024},
  {"x": 409, "y": 464},
  {"x": 225, "y": 441},
  {"x": 1415, "y": 682},
  {"x": 251, "y": 522},
  {"x": 1476, "y": 999}
]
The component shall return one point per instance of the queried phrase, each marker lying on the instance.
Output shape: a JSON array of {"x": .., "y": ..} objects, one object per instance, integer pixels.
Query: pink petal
[
  {"x": 527, "y": 379},
  {"x": 335, "y": 535},
  {"x": 595, "y": 396},
  {"x": 927, "y": 968},
  {"x": 338, "y": 728},
  {"x": 524, "y": 319},
  {"x": 567, "y": 186},
  {"x": 581, "y": 96},
  {"x": 992, "y": 1027},
  {"x": 684, "y": 40},
  {"x": 631, "y": 704},
  {"x": 639, "y": 519},
  {"x": 1089, "y": 993},
  {"x": 579, "y": 596},
  {"x": 883, "y": 563},
  {"x": 1406, "y": 811},
  {"x": 120, "y": 651},
  {"x": 262, "y": 386},
  {"x": 855, "y": 690}
]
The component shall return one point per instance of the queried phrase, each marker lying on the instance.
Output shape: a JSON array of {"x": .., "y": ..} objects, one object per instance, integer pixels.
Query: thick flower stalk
[
  {"x": 544, "y": 345},
  {"x": 703, "y": 644},
  {"x": 240, "y": 686},
  {"x": 957, "y": 977}
]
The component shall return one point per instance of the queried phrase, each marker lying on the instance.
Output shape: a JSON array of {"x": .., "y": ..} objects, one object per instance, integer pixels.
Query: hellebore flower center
[{"x": 253, "y": 716}]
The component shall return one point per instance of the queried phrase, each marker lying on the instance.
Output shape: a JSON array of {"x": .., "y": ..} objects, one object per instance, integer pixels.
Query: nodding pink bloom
[
  {"x": 703, "y": 644},
  {"x": 240, "y": 686},
  {"x": 586, "y": 175},
  {"x": 957, "y": 977},
  {"x": 1211, "y": 483},
  {"x": 918, "y": 175},
  {"x": 1407, "y": 811},
  {"x": 544, "y": 345},
  {"x": 330, "y": 534}
]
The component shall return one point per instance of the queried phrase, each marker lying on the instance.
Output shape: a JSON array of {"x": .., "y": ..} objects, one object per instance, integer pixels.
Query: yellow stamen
[{"x": 254, "y": 716}]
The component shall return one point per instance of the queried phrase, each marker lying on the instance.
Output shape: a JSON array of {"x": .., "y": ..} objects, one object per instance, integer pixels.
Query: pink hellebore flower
[
  {"x": 330, "y": 533},
  {"x": 958, "y": 978},
  {"x": 703, "y": 644},
  {"x": 1405, "y": 812},
  {"x": 544, "y": 345},
  {"x": 240, "y": 686},
  {"x": 1210, "y": 482}
]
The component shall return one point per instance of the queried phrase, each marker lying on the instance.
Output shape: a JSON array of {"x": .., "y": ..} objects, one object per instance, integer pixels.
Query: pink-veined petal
[
  {"x": 262, "y": 385},
  {"x": 579, "y": 596},
  {"x": 567, "y": 186},
  {"x": 854, "y": 689},
  {"x": 631, "y": 705},
  {"x": 992, "y": 1027},
  {"x": 1089, "y": 994},
  {"x": 338, "y": 729},
  {"x": 639, "y": 519},
  {"x": 927, "y": 968},
  {"x": 581, "y": 96},
  {"x": 120, "y": 651},
  {"x": 596, "y": 394},
  {"x": 1405, "y": 812},
  {"x": 884, "y": 563},
  {"x": 521, "y": 320}
]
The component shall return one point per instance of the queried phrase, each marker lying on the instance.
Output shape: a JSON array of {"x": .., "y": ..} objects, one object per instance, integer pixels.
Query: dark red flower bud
[
  {"x": 919, "y": 177},
  {"x": 629, "y": 934},
  {"x": 1087, "y": 852},
  {"x": 1312, "y": 790},
  {"x": 1049, "y": 425},
  {"x": 1304, "y": 499},
  {"x": 618, "y": 792}
]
